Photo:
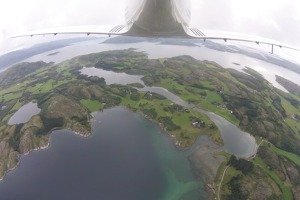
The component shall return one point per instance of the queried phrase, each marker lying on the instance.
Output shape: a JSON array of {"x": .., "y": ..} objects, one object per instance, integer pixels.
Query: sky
[{"x": 274, "y": 19}]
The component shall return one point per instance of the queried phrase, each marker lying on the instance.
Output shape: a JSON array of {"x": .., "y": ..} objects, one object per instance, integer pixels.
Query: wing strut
[{"x": 272, "y": 51}]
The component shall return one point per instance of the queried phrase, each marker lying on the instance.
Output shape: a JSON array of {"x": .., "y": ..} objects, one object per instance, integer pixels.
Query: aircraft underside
[{"x": 157, "y": 19}]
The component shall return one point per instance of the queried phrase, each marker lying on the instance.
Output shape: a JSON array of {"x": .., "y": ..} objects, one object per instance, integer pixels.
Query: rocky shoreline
[{"x": 39, "y": 148}]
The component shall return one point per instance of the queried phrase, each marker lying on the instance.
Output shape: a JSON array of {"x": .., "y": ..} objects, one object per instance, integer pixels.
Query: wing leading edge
[
  {"x": 196, "y": 33},
  {"x": 104, "y": 30}
]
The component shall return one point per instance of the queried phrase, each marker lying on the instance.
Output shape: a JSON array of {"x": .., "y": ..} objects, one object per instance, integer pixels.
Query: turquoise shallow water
[{"x": 126, "y": 157}]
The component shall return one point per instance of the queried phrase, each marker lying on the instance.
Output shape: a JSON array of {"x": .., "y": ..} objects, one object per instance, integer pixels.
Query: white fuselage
[{"x": 158, "y": 17}]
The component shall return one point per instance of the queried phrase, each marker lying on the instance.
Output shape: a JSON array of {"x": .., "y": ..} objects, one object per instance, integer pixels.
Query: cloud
[
  {"x": 212, "y": 14},
  {"x": 274, "y": 19},
  {"x": 18, "y": 16},
  {"x": 33, "y": 14}
]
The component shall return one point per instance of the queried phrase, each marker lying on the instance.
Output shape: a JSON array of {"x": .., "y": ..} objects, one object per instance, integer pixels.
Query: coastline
[
  {"x": 21, "y": 155},
  {"x": 92, "y": 120},
  {"x": 175, "y": 141},
  {"x": 163, "y": 129},
  {"x": 41, "y": 148}
]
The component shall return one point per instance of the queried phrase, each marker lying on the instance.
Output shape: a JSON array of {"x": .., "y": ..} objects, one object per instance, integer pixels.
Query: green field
[
  {"x": 187, "y": 134},
  {"x": 12, "y": 96},
  {"x": 14, "y": 88},
  {"x": 294, "y": 125},
  {"x": 293, "y": 157},
  {"x": 91, "y": 105},
  {"x": 230, "y": 173},
  {"x": 40, "y": 88},
  {"x": 18, "y": 105},
  {"x": 208, "y": 102},
  {"x": 287, "y": 194}
]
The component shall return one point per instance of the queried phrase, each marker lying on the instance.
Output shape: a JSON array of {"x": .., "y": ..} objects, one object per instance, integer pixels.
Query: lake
[
  {"x": 112, "y": 77},
  {"x": 24, "y": 114},
  {"x": 126, "y": 157}
]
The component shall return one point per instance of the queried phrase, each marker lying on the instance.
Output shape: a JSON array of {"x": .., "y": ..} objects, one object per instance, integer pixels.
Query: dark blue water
[{"x": 126, "y": 157}]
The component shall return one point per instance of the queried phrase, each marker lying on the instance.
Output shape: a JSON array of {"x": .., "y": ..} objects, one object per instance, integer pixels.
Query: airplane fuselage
[{"x": 158, "y": 18}]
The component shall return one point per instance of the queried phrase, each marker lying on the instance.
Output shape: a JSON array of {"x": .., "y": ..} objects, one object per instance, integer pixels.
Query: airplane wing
[
  {"x": 228, "y": 36},
  {"x": 190, "y": 33},
  {"x": 104, "y": 30}
]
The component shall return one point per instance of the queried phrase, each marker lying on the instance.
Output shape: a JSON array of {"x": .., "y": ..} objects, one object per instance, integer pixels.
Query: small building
[{"x": 195, "y": 123}]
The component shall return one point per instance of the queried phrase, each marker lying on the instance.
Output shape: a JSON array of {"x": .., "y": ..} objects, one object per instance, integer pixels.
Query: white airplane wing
[
  {"x": 105, "y": 30},
  {"x": 190, "y": 33},
  {"x": 229, "y": 36}
]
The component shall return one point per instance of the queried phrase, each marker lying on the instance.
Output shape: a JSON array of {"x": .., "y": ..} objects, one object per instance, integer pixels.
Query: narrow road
[
  {"x": 254, "y": 155},
  {"x": 222, "y": 182}
]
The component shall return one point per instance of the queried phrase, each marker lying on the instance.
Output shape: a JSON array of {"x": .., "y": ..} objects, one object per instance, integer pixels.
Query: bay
[{"x": 126, "y": 157}]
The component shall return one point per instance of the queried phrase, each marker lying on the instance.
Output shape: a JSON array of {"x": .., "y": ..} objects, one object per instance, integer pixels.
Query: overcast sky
[{"x": 275, "y": 19}]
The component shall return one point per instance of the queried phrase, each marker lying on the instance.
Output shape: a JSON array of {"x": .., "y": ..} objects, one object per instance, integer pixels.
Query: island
[
  {"x": 53, "y": 54},
  {"x": 67, "y": 98}
]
